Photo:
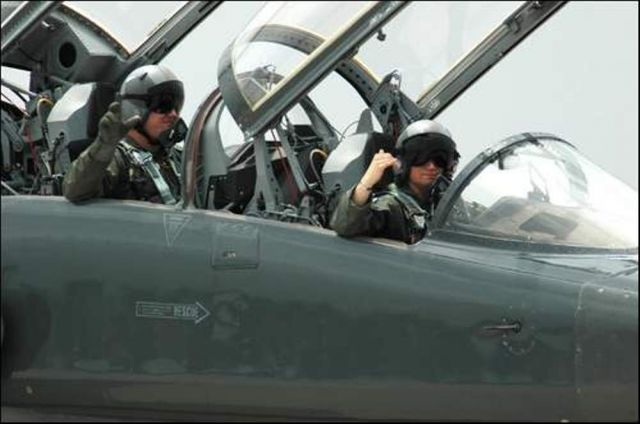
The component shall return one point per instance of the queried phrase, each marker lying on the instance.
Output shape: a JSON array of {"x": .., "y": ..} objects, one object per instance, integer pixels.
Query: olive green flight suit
[
  {"x": 121, "y": 178},
  {"x": 385, "y": 215}
]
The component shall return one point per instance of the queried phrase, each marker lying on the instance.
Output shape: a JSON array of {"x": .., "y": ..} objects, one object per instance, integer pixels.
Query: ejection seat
[
  {"x": 235, "y": 189},
  {"x": 73, "y": 120},
  {"x": 346, "y": 164}
]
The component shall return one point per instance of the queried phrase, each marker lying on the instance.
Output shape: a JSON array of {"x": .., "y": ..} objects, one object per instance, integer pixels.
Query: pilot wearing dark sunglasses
[
  {"x": 424, "y": 165},
  {"x": 131, "y": 156}
]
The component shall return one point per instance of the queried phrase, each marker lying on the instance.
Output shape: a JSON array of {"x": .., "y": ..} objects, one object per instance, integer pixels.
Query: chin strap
[{"x": 140, "y": 128}]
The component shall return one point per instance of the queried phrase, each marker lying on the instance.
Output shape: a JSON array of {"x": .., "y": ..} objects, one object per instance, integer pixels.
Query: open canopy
[{"x": 424, "y": 41}]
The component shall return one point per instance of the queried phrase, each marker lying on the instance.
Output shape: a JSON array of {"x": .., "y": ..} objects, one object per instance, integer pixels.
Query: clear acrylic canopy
[
  {"x": 129, "y": 22},
  {"x": 323, "y": 18},
  {"x": 426, "y": 39},
  {"x": 423, "y": 41},
  {"x": 546, "y": 192}
]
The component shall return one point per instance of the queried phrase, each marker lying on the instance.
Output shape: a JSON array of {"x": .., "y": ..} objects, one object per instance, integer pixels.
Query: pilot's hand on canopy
[
  {"x": 111, "y": 129},
  {"x": 380, "y": 162}
]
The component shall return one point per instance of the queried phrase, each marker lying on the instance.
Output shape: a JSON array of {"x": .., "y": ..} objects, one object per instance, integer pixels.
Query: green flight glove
[{"x": 111, "y": 129}]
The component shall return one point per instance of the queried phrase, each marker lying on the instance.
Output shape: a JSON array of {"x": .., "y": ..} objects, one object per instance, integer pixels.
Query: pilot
[
  {"x": 425, "y": 163},
  {"x": 129, "y": 158}
]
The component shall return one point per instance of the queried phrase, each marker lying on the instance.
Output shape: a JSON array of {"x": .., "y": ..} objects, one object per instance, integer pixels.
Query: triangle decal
[{"x": 173, "y": 226}]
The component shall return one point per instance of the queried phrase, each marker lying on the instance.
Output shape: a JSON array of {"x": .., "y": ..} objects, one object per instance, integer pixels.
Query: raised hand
[
  {"x": 380, "y": 162},
  {"x": 111, "y": 129}
]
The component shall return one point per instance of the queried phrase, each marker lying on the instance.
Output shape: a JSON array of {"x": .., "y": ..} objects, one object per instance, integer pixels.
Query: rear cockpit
[{"x": 302, "y": 109}]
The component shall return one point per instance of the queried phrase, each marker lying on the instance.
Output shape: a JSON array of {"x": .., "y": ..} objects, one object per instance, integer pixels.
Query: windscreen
[{"x": 547, "y": 192}]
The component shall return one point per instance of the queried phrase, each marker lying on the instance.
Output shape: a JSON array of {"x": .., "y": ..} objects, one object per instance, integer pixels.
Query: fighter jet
[{"x": 520, "y": 303}]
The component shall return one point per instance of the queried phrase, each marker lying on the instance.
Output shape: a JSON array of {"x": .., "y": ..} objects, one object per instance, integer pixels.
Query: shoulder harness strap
[{"x": 144, "y": 160}]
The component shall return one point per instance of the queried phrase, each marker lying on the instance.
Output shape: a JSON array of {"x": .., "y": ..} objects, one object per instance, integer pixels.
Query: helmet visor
[
  {"x": 438, "y": 157},
  {"x": 163, "y": 98},
  {"x": 437, "y": 148},
  {"x": 165, "y": 103}
]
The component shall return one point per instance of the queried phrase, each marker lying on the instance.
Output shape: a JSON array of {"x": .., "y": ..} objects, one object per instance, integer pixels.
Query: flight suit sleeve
[
  {"x": 93, "y": 174},
  {"x": 349, "y": 219}
]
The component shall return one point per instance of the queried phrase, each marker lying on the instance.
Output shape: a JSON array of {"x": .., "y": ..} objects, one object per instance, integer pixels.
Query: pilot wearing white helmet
[
  {"x": 426, "y": 160},
  {"x": 129, "y": 158}
]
